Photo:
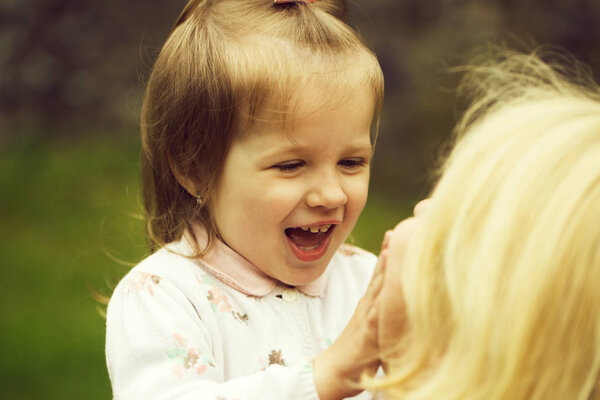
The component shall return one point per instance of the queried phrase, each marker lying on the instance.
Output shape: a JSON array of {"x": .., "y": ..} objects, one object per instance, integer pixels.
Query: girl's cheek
[{"x": 357, "y": 189}]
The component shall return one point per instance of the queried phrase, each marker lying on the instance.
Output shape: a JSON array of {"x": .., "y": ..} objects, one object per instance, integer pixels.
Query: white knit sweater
[{"x": 178, "y": 330}]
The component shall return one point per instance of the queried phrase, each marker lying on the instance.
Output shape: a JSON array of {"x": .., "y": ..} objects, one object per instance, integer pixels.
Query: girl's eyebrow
[
  {"x": 295, "y": 148},
  {"x": 281, "y": 149},
  {"x": 355, "y": 147}
]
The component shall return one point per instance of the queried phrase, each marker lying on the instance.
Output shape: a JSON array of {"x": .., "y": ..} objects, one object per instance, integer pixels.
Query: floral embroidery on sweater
[
  {"x": 275, "y": 358},
  {"x": 139, "y": 281},
  {"x": 188, "y": 359},
  {"x": 240, "y": 317},
  {"x": 219, "y": 301},
  {"x": 324, "y": 343}
]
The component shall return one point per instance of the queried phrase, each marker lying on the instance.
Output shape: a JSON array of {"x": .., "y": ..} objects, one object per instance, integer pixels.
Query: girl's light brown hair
[{"x": 224, "y": 63}]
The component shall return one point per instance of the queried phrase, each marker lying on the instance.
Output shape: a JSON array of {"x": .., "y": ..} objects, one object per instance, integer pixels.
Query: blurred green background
[{"x": 71, "y": 76}]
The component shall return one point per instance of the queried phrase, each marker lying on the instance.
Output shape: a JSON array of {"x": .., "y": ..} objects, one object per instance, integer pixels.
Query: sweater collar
[{"x": 234, "y": 270}]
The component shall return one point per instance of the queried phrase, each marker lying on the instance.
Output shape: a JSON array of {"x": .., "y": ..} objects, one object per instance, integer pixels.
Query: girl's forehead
[
  {"x": 304, "y": 105},
  {"x": 292, "y": 116},
  {"x": 345, "y": 124}
]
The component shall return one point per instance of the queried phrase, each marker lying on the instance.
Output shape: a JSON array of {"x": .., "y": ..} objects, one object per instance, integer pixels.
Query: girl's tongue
[{"x": 306, "y": 239}]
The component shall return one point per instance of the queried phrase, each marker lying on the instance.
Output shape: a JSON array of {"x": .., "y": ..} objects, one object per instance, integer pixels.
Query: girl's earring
[{"x": 198, "y": 199}]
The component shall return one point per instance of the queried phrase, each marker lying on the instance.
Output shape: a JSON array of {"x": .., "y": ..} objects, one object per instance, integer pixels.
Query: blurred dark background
[{"x": 71, "y": 78}]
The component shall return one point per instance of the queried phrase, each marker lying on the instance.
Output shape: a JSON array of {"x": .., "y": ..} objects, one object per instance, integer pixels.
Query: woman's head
[
  {"x": 225, "y": 65},
  {"x": 501, "y": 281}
]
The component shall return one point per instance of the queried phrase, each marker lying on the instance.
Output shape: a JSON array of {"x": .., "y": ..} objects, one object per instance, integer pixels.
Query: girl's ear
[{"x": 184, "y": 180}]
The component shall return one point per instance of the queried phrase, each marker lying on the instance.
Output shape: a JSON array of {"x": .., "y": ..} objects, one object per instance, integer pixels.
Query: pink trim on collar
[{"x": 234, "y": 270}]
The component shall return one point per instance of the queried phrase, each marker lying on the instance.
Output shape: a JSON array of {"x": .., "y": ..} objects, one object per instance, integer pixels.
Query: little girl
[{"x": 258, "y": 127}]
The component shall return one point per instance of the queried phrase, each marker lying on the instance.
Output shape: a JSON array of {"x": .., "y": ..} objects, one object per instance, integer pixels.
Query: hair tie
[{"x": 294, "y": 1}]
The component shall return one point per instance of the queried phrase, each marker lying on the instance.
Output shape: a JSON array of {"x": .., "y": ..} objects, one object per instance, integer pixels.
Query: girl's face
[{"x": 289, "y": 197}]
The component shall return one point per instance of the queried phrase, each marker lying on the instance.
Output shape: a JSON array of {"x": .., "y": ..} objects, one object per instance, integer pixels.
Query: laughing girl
[{"x": 258, "y": 127}]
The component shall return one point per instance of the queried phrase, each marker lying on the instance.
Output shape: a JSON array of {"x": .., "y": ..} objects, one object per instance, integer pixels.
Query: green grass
[{"x": 70, "y": 226}]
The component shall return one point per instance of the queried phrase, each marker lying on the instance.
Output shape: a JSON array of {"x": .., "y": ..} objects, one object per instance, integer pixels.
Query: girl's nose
[{"x": 327, "y": 192}]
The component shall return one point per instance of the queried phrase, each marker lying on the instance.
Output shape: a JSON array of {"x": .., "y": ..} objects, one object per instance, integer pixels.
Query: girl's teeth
[
  {"x": 304, "y": 248},
  {"x": 316, "y": 229}
]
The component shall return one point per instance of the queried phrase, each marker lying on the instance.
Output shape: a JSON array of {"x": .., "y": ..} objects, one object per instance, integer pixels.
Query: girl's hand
[
  {"x": 391, "y": 323},
  {"x": 338, "y": 369}
]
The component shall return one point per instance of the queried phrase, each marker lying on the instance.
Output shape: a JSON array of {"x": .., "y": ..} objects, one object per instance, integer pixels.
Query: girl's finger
[{"x": 386, "y": 240}]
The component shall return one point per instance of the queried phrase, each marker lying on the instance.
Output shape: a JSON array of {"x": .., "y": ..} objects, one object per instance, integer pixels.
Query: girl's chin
[{"x": 304, "y": 275}]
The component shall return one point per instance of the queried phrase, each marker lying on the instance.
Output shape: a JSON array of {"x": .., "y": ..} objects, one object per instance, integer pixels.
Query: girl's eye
[
  {"x": 352, "y": 163},
  {"x": 289, "y": 166}
]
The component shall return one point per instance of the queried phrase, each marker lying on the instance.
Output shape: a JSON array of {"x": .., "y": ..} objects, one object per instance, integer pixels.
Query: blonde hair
[
  {"x": 224, "y": 63},
  {"x": 502, "y": 280}
]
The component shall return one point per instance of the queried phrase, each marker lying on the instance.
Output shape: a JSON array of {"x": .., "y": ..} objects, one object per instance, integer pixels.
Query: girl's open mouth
[{"x": 309, "y": 243}]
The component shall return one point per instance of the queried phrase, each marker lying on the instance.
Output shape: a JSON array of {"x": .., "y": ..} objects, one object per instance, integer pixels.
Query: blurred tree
[
  {"x": 64, "y": 61},
  {"x": 417, "y": 42}
]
